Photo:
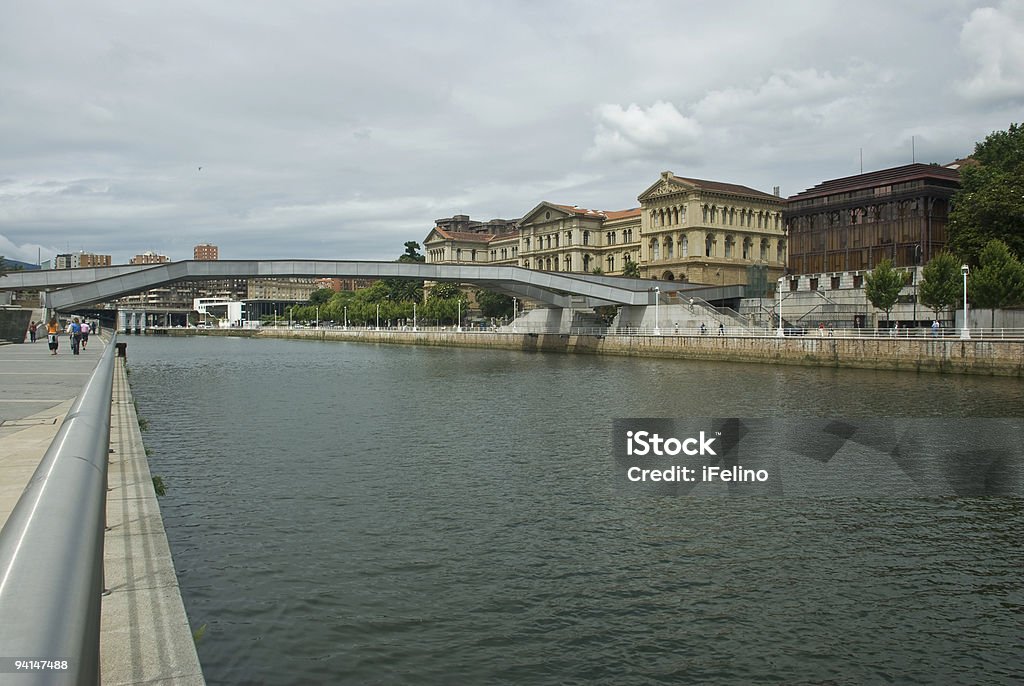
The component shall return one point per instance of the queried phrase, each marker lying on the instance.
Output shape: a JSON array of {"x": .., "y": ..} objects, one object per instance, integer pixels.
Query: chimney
[{"x": 775, "y": 190}]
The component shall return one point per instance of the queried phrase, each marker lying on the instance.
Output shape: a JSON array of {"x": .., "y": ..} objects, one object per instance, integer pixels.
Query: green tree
[
  {"x": 320, "y": 296},
  {"x": 494, "y": 304},
  {"x": 412, "y": 253},
  {"x": 940, "y": 286},
  {"x": 990, "y": 202},
  {"x": 444, "y": 290},
  {"x": 999, "y": 280},
  {"x": 882, "y": 286},
  {"x": 631, "y": 270}
]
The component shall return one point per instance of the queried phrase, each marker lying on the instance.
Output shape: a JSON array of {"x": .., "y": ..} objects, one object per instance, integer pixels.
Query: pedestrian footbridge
[{"x": 68, "y": 289}]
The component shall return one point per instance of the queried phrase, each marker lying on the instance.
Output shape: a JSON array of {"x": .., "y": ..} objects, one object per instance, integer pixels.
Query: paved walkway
[
  {"x": 36, "y": 391},
  {"x": 145, "y": 637}
]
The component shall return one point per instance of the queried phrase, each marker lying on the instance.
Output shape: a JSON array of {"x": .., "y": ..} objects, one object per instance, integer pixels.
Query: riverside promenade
[{"x": 145, "y": 635}]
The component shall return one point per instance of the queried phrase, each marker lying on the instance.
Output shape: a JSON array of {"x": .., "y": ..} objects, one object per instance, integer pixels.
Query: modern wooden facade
[{"x": 852, "y": 223}]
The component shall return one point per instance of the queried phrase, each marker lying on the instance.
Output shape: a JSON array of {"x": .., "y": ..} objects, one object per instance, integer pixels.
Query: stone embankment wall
[{"x": 955, "y": 356}]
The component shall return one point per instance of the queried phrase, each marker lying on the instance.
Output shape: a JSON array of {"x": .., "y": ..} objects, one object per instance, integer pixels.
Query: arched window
[
  {"x": 764, "y": 249},
  {"x": 458, "y": 254},
  {"x": 669, "y": 247},
  {"x": 747, "y": 245},
  {"x": 586, "y": 238},
  {"x": 709, "y": 245},
  {"x": 568, "y": 263},
  {"x": 780, "y": 252},
  {"x": 730, "y": 246},
  {"x": 682, "y": 214},
  {"x": 654, "y": 249},
  {"x": 684, "y": 246},
  {"x": 611, "y": 263},
  {"x": 586, "y": 263}
]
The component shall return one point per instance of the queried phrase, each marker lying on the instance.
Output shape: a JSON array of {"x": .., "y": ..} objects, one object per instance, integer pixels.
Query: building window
[
  {"x": 668, "y": 247},
  {"x": 747, "y": 245},
  {"x": 568, "y": 263},
  {"x": 794, "y": 284},
  {"x": 684, "y": 246},
  {"x": 780, "y": 251},
  {"x": 654, "y": 249},
  {"x": 586, "y": 238},
  {"x": 586, "y": 263},
  {"x": 858, "y": 281},
  {"x": 709, "y": 245},
  {"x": 835, "y": 283},
  {"x": 611, "y": 263},
  {"x": 730, "y": 244},
  {"x": 568, "y": 237},
  {"x": 814, "y": 283},
  {"x": 764, "y": 249}
]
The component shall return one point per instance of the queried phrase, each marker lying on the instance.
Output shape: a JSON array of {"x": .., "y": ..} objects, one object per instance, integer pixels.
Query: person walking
[
  {"x": 935, "y": 328},
  {"x": 32, "y": 332},
  {"x": 85, "y": 334},
  {"x": 721, "y": 329},
  {"x": 52, "y": 332},
  {"x": 76, "y": 336}
]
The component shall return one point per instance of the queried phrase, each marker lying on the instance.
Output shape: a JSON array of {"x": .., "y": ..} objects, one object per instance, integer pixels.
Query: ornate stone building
[
  {"x": 685, "y": 229},
  {"x": 852, "y": 223},
  {"x": 565, "y": 238},
  {"x": 711, "y": 232}
]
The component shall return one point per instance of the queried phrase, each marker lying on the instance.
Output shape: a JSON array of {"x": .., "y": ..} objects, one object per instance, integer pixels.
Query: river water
[{"x": 354, "y": 513}]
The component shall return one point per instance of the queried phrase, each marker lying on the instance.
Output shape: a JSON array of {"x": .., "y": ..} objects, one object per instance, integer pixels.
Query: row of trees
[
  {"x": 996, "y": 282},
  {"x": 986, "y": 232},
  {"x": 390, "y": 300}
]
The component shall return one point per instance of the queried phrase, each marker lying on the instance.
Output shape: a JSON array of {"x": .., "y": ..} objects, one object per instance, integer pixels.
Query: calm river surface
[{"x": 352, "y": 513}]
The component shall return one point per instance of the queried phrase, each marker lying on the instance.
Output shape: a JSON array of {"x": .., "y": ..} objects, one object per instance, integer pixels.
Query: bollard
[{"x": 122, "y": 350}]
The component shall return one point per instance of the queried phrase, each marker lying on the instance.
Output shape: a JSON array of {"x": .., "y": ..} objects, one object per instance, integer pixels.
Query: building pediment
[
  {"x": 545, "y": 211},
  {"x": 668, "y": 184}
]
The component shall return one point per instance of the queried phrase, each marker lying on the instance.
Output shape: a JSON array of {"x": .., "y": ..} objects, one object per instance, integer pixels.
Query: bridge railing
[{"x": 51, "y": 548}]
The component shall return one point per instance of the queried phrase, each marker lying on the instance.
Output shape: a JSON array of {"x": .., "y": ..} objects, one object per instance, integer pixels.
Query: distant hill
[{"x": 11, "y": 265}]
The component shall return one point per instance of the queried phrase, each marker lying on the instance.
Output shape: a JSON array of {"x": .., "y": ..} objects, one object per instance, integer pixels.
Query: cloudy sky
[{"x": 342, "y": 129}]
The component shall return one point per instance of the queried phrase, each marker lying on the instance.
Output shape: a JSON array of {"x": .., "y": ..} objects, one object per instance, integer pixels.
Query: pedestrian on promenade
[
  {"x": 721, "y": 329},
  {"x": 76, "y": 336},
  {"x": 691, "y": 304},
  {"x": 935, "y": 328},
  {"x": 703, "y": 329},
  {"x": 821, "y": 328},
  {"x": 32, "y": 332},
  {"x": 52, "y": 331},
  {"x": 86, "y": 329}
]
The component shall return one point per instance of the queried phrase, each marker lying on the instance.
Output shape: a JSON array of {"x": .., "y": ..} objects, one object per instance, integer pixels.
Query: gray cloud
[{"x": 344, "y": 129}]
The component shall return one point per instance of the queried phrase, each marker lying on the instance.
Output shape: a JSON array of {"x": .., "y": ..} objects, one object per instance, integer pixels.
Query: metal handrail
[{"x": 51, "y": 548}]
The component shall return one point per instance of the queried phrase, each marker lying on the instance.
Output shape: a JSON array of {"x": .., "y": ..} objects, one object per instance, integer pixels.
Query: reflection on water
[{"x": 344, "y": 513}]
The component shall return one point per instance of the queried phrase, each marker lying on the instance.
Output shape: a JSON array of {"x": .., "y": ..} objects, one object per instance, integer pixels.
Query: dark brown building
[{"x": 853, "y": 223}]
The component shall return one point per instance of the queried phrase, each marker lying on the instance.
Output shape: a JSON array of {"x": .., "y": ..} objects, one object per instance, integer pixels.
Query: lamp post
[
  {"x": 378, "y": 316},
  {"x": 778, "y": 308},
  {"x": 459, "y": 327},
  {"x": 657, "y": 298},
  {"x": 346, "y": 317},
  {"x": 414, "y": 316},
  {"x": 965, "y": 332}
]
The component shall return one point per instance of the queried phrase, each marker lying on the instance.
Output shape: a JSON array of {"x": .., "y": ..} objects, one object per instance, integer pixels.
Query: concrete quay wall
[{"x": 951, "y": 356}]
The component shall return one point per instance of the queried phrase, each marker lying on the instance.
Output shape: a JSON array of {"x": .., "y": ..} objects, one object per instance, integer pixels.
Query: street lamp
[
  {"x": 318, "y": 316},
  {"x": 778, "y": 308},
  {"x": 459, "y": 328},
  {"x": 414, "y": 316},
  {"x": 657, "y": 298},
  {"x": 346, "y": 317},
  {"x": 965, "y": 332},
  {"x": 378, "y": 316}
]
